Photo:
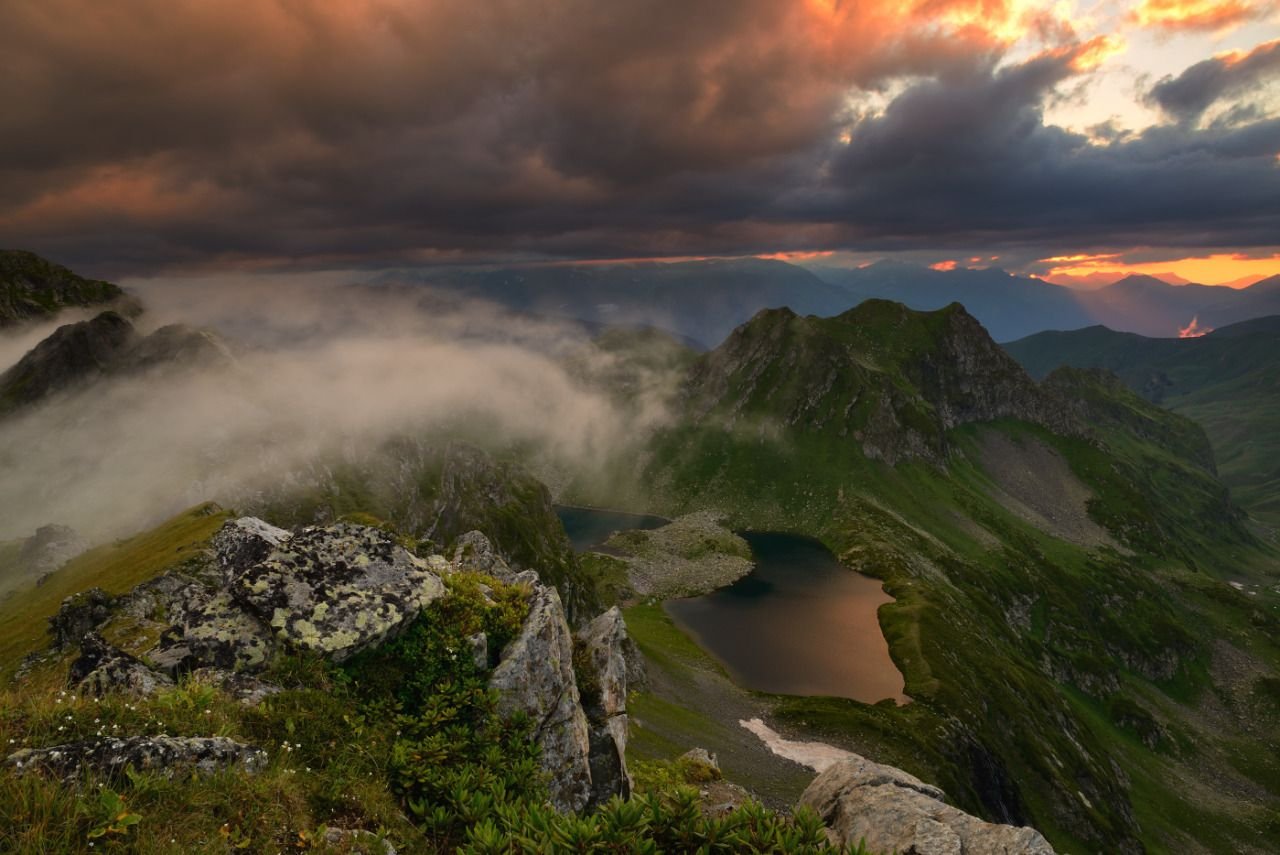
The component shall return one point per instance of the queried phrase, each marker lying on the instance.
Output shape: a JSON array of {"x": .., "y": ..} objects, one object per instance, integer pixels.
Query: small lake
[
  {"x": 799, "y": 624},
  {"x": 590, "y": 527}
]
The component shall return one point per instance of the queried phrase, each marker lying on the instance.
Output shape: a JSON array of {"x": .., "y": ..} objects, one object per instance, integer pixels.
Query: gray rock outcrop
[
  {"x": 79, "y": 614},
  {"x": 535, "y": 677},
  {"x": 474, "y": 551},
  {"x": 215, "y": 631},
  {"x": 338, "y": 590},
  {"x": 101, "y": 669},
  {"x": 167, "y": 755},
  {"x": 243, "y": 542},
  {"x": 612, "y": 657},
  {"x": 892, "y": 811}
]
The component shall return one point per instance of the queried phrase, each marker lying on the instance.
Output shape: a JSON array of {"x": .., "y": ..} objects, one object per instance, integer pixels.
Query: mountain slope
[
  {"x": 74, "y": 355},
  {"x": 1012, "y": 307},
  {"x": 1059, "y": 677},
  {"x": 1227, "y": 381},
  {"x": 31, "y": 287}
]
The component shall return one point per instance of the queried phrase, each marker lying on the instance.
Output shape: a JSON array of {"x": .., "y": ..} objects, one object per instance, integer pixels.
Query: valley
[{"x": 875, "y": 532}]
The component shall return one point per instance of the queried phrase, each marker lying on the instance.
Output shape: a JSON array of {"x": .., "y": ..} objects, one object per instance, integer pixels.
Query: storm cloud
[
  {"x": 1187, "y": 96},
  {"x": 158, "y": 135}
]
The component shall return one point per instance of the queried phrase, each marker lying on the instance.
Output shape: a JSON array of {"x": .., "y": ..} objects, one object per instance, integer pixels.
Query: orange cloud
[
  {"x": 1203, "y": 15},
  {"x": 1235, "y": 269},
  {"x": 797, "y": 255},
  {"x": 137, "y": 191},
  {"x": 949, "y": 264}
]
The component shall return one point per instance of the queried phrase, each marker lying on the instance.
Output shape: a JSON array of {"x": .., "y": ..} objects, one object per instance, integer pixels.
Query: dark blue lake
[{"x": 589, "y": 527}]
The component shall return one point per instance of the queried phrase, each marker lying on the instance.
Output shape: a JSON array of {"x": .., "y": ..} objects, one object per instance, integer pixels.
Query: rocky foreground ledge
[
  {"x": 335, "y": 591},
  {"x": 890, "y": 811}
]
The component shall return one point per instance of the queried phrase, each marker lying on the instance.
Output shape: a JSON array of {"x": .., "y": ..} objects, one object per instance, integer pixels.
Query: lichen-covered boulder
[
  {"x": 167, "y": 755},
  {"x": 340, "y": 589},
  {"x": 612, "y": 657},
  {"x": 216, "y": 632},
  {"x": 79, "y": 614},
  {"x": 535, "y": 677},
  {"x": 243, "y": 542},
  {"x": 891, "y": 811},
  {"x": 102, "y": 668}
]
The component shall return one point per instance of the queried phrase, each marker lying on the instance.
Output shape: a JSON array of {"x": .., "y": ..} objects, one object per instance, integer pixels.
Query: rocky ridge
[
  {"x": 888, "y": 810},
  {"x": 32, "y": 287},
  {"x": 74, "y": 355},
  {"x": 893, "y": 380},
  {"x": 334, "y": 591}
]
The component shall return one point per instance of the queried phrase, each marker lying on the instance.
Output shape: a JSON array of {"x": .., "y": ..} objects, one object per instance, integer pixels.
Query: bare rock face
[
  {"x": 474, "y": 551},
  {"x": 612, "y": 658},
  {"x": 215, "y": 632},
  {"x": 338, "y": 590},
  {"x": 165, "y": 754},
  {"x": 70, "y": 357},
  {"x": 892, "y": 811},
  {"x": 102, "y": 668},
  {"x": 535, "y": 677},
  {"x": 79, "y": 614},
  {"x": 243, "y": 542}
]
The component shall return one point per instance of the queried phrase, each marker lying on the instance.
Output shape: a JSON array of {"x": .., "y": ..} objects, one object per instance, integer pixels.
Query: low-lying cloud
[{"x": 321, "y": 374}]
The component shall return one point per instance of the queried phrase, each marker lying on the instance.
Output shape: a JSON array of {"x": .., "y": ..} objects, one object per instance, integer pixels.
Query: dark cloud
[
  {"x": 142, "y": 134},
  {"x": 1187, "y": 96}
]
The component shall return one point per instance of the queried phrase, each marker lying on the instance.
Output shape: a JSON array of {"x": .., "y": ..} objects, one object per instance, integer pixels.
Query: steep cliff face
[
  {"x": 886, "y": 377},
  {"x": 32, "y": 287}
]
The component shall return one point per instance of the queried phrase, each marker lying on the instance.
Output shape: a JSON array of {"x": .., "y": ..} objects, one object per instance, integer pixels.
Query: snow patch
[{"x": 818, "y": 756}]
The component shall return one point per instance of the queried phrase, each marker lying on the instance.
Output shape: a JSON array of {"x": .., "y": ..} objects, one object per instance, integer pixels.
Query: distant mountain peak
[{"x": 890, "y": 378}]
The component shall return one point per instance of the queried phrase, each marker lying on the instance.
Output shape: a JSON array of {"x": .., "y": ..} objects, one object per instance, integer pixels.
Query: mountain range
[
  {"x": 702, "y": 301},
  {"x": 1085, "y": 618},
  {"x": 1000, "y": 512},
  {"x": 1012, "y": 306},
  {"x": 1228, "y": 381}
]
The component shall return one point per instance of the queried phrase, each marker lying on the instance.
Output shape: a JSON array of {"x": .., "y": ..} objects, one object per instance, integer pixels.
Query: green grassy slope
[
  {"x": 115, "y": 567},
  {"x": 1228, "y": 382},
  {"x": 1087, "y": 690},
  {"x": 402, "y": 743}
]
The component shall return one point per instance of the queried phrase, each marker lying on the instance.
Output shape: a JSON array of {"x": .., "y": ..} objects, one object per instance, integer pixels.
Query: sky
[{"x": 1076, "y": 141}]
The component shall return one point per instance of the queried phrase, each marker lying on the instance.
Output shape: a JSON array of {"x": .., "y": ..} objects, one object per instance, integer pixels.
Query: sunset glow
[{"x": 1234, "y": 269}]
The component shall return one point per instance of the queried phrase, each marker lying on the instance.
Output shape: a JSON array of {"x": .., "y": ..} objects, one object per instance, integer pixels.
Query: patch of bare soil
[{"x": 1035, "y": 483}]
